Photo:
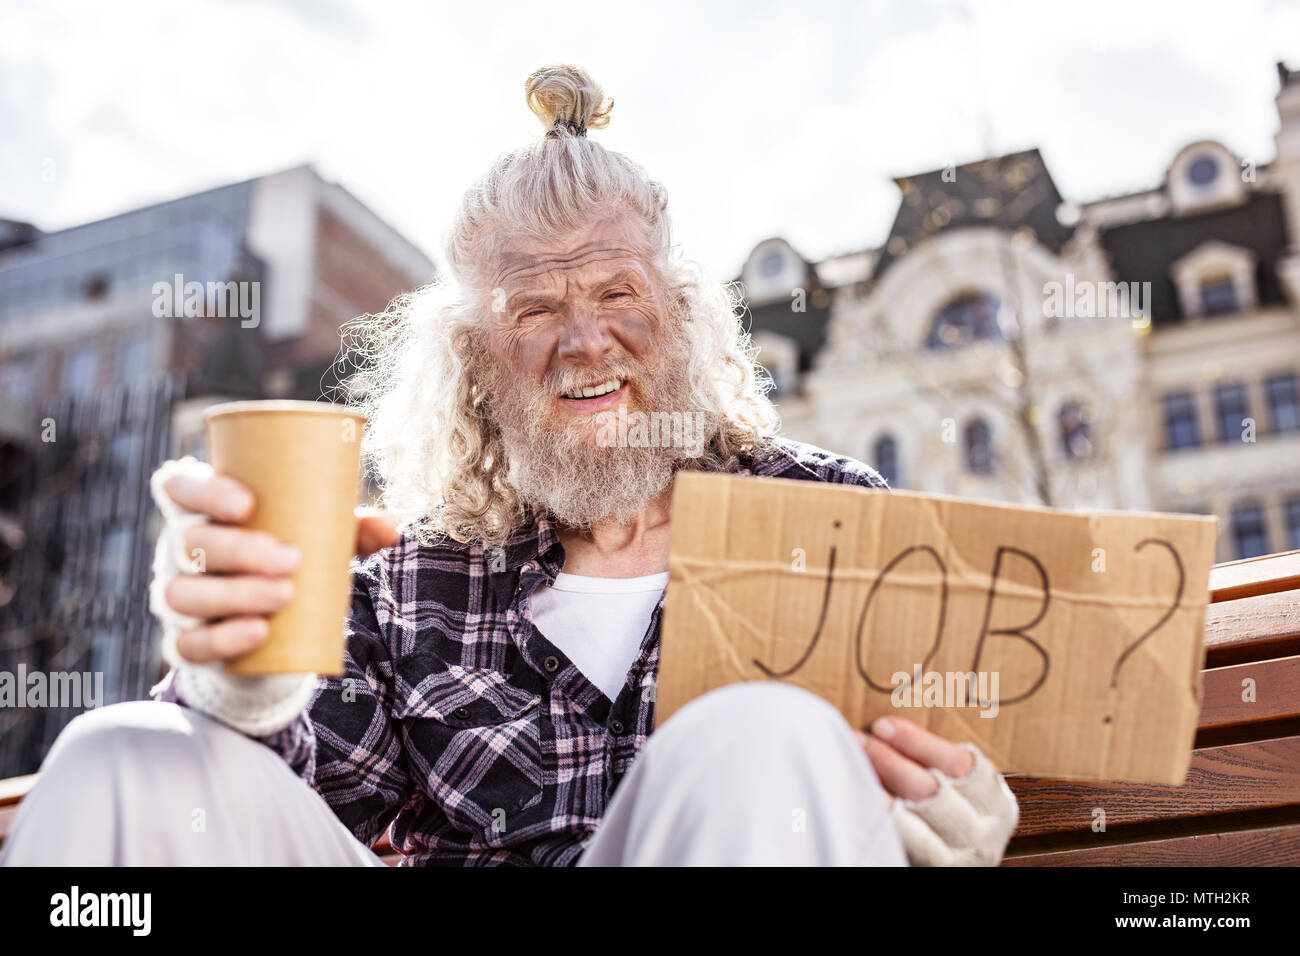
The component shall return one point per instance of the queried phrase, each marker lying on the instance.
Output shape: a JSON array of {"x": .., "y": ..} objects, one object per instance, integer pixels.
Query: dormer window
[
  {"x": 1204, "y": 176},
  {"x": 1215, "y": 278},
  {"x": 1203, "y": 171},
  {"x": 1219, "y": 296},
  {"x": 773, "y": 273},
  {"x": 771, "y": 264}
]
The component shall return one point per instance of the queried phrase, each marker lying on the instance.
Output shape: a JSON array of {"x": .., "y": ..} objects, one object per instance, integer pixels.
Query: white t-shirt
[{"x": 599, "y": 622}]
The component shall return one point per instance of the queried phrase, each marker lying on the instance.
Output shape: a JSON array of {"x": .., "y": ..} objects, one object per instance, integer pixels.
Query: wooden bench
[{"x": 1240, "y": 803}]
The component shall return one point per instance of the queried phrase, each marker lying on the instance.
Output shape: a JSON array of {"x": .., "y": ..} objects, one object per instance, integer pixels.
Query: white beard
[
  {"x": 580, "y": 484},
  {"x": 556, "y": 465}
]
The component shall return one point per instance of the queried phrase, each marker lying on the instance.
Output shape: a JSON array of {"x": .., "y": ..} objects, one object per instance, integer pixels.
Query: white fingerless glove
[
  {"x": 967, "y": 823},
  {"x": 256, "y": 706}
]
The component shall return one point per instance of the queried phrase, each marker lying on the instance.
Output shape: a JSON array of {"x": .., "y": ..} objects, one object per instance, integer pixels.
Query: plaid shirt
[{"x": 459, "y": 723}]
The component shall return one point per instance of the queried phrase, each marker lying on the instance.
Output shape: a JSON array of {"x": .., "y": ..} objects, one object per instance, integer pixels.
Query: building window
[
  {"x": 978, "y": 445},
  {"x": 1293, "y": 524},
  {"x": 133, "y": 358},
  {"x": 1230, "y": 407},
  {"x": 1249, "y": 531},
  {"x": 884, "y": 457},
  {"x": 771, "y": 264},
  {"x": 18, "y": 380},
  {"x": 1215, "y": 279},
  {"x": 1202, "y": 171},
  {"x": 80, "y": 374},
  {"x": 95, "y": 289},
  {"x": 1076, "y": 440},
  {"x": 779, "y": 356},
  {"x": 115, "y": 559},
  {"x": 967, "y": 319},
  {"x": 1219, "y": 296},
  {"x": 1283, "y": 400},
  {"x": 1181, "y": 430}
]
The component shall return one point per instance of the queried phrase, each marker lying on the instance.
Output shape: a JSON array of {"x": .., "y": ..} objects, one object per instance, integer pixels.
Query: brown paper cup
[{"x": 301, "y": 460}]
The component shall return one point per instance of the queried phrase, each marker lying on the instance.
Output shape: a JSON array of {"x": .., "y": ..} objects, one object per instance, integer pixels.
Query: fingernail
[
  {"x": 234, "y": 503},
  {"x": 284, "y": 589},
  {"x": 883, "y": 728}
]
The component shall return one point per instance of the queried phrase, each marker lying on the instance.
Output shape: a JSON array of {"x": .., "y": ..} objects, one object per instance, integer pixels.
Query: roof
[
  {"x": 1007, "y": 192},
  {"x": 1145, "y": 251}
]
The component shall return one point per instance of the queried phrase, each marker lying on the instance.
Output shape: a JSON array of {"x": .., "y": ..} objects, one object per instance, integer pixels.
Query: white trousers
[{"x": 751, "y": 774}]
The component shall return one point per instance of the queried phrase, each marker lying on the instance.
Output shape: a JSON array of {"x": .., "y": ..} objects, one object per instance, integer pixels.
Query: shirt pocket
[{"x": 474, "y": 742}]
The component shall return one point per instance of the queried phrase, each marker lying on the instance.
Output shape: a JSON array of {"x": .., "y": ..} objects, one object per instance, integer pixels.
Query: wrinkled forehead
[{"x": 613, "y": 241}]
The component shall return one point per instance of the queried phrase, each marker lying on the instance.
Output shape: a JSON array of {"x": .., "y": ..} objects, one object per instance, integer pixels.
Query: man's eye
[
  {"x": 616, "y": 295},
  {"x": 532, "y": 313}
]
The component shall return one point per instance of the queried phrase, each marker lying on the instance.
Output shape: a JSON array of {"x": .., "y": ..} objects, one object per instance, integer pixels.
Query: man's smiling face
[
  {"x": 577, "y": 329},
  {"x": 577, "y": 320}
]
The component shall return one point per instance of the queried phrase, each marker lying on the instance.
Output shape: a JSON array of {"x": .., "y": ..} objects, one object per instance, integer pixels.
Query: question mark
[{"x": 1182, "y": 579}]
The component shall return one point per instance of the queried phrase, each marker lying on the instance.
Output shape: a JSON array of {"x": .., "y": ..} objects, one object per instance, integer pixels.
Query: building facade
[
  {"x": 1140, "y": 352},
  {"x": 114, "y": 337}
]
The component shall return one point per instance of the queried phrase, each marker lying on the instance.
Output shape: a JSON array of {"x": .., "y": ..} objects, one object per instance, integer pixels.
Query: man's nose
[{"x": 585, "y": 337}]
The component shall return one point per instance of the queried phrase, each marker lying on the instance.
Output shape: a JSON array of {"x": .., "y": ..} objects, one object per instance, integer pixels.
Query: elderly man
[{"x": 502, "y": 648}]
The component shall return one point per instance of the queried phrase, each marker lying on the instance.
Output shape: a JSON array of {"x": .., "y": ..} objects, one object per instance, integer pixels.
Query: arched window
[
  {"x": 978, "y": 445},
  {"x": 968, "y": 318},
  {"x": 1076, "y": 439},
  {"x": 884, "y": 458}
]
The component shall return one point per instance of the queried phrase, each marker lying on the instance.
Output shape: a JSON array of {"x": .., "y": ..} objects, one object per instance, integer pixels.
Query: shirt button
[
  {"x": 616, "y": 726},
  {"x": 461, "y": 713},
  {"x": 551, "y": 664}
]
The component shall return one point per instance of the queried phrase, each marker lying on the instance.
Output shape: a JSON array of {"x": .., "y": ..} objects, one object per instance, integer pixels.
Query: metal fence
[{"x": 77, "y": 570}]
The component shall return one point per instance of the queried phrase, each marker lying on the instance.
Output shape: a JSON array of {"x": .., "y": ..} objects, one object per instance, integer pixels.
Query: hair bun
[{"x": 567, "y": 98}]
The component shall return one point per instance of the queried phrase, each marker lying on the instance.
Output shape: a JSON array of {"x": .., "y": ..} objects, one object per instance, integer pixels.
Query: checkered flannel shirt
[{"x": 457, "y": 722}]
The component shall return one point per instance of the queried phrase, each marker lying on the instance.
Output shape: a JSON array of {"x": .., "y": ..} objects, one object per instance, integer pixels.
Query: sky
[{"x": 762, "y": 118}]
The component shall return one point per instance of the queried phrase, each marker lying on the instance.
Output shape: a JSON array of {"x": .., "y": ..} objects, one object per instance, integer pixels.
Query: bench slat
[
  {"x": 1270, "y": 846},
  {"x": 1237, "y": 778},
  {"x": 1252, "y": 576},
  {"x": 1277, "y": 693},
  {"x": 1252, "y": 628},
  {"x": 14, "y": 789}
]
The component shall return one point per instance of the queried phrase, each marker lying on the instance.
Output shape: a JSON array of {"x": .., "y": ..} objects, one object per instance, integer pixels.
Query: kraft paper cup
[{"x": 302, "y": 462}]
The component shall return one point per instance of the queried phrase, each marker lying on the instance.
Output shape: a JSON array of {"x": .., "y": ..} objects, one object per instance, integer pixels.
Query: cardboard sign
[{"x": 1061, "y": 644}]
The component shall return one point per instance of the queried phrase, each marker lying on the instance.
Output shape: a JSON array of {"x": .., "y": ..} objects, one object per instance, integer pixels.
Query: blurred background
[{"x": 1031, "y": 252}]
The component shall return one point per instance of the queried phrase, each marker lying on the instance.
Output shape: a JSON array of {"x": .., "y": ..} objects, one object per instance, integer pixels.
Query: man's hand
[
  {"x": 246, "y": 573},
  {"x": 949, "y": 803},
  {"x": 902, "y": 754}
]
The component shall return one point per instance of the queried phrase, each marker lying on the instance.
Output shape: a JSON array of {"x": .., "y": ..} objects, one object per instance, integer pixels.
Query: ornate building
[{"x": 1140, "y": 352}]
